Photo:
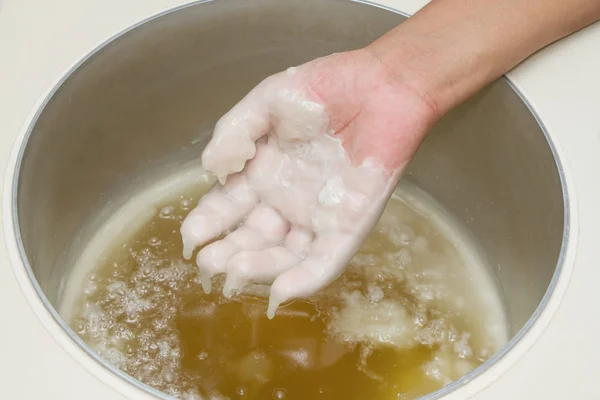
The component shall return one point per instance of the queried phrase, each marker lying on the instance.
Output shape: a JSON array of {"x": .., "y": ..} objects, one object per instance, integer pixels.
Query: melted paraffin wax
[
  {"x": 414, "y": 311},
  {"x": 298, "y": 208}
]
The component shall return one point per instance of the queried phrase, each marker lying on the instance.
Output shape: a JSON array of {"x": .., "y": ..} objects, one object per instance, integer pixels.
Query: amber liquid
[{"x": 396, "y": 325}]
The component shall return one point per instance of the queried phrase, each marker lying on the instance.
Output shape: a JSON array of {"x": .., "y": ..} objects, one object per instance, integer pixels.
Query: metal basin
[{"x": 143, "y": 105}]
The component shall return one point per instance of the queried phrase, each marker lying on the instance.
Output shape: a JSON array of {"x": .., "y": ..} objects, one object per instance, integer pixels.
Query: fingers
[
  {"x": 257, "y": 267},
  {"x": 329, "y": 255},
  {"x": 279, "y": 103},
  {"x": 218, "y": 211},
  {"x": 298, "y": 241},
  {"x": 235, "y": 134},
  {"x": 263, "y": 228},
  {"x": 264, "y": 266}
]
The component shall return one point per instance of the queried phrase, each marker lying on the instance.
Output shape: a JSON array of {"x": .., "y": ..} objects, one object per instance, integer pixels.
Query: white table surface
[{"x": 41, "y": 39}]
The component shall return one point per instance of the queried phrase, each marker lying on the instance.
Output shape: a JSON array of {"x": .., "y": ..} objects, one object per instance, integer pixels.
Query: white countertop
[{"x": 41, "y": 39}]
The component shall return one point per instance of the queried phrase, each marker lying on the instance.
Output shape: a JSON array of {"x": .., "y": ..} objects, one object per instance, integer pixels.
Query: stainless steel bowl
[{"x": 143, "y": 105}]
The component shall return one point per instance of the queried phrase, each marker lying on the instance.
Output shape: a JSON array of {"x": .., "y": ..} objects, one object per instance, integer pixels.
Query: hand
[{"x": 306, "y": 163}]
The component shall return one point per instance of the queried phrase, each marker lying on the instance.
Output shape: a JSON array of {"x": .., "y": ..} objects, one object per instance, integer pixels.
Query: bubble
[
  {"x": 80, "y": 328},
  {"x": 129, "y": 349},
  {"x": 154, "y": 241},
  {"x": 132, "y": 317},
  {"x": 167, "y": 212},
  {"x": 169, "y": 376},
  {"x": 203, "y": 355},
  {"x": 484, "y": 354},
  {"x": 401, "y": 235},
  {"x": 279, "y": 394},
  {"x": 186, "y": 204},
  {"x": 241, "y": 391}
]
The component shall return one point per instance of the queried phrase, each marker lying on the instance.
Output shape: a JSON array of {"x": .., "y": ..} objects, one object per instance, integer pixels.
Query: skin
[{"x": 380, "y": 102}]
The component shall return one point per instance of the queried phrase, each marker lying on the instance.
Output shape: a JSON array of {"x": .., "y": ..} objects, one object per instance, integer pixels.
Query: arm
[{"x": 450, "y": 49}]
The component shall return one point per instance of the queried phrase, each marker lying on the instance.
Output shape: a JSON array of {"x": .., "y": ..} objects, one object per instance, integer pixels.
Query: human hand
[{"x": 306, "y": 163}]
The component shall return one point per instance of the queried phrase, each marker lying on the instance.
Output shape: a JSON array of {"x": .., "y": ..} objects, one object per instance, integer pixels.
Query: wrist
[
  {"x": 448, "y": 51},
  {"x": 406, "y": 70},
  {"x": 407, "y": 65}
]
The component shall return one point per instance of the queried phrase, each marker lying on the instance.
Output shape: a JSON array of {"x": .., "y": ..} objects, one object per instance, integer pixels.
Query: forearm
[{"x": 451, "y": 49}]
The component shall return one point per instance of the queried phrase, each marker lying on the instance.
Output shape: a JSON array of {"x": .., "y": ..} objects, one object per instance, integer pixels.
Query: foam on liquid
[{"x": 415, "y": 310}]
